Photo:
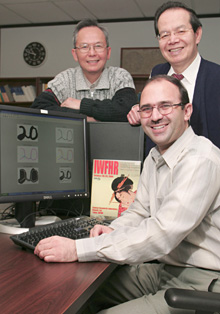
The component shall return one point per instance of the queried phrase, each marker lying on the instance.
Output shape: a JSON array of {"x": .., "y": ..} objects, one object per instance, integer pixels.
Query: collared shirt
[
  {"x": 72, "y": 83},
  {"x": 92, "y": 86},
  {"x": 190, "y": 75},
  {"x": 175, "y": 217}
]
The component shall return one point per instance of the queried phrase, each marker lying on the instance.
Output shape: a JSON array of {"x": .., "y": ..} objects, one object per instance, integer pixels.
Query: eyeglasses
[
  {"x": 178, "y": 33},
  {"x": 86, "y": 47},
  {"x": 164, "y": 109}
]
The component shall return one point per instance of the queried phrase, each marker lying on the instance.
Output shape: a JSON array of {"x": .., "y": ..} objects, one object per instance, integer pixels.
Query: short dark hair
[
  {"x": 125, "y": 185},
  {"x": 184, "y": 97},
  {"x": 121, "y": 181},
  {"x": 194, "y": 20},
  {"x": 89, "y": 23}
]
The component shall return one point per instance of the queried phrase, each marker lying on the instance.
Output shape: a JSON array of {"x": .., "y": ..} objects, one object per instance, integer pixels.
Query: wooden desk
[{"x": 28, "y": 285}]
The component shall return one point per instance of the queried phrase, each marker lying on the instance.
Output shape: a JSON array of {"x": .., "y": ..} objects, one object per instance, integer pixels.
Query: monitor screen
[
  {"x": 115, "y": 140},
  {"x": 43, "y": 155}
]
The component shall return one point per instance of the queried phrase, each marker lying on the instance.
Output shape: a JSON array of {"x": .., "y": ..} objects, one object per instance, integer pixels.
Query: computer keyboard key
[{"x": 72, "y": 228}]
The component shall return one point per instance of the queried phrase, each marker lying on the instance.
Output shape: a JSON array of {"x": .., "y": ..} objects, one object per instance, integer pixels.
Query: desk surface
[{"x": 29, "y": 285}]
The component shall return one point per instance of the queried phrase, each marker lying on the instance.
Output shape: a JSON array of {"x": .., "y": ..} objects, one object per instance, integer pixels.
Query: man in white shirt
[
  {"x": 179, "y": 32},
  {"x": 175, "y": 217}
]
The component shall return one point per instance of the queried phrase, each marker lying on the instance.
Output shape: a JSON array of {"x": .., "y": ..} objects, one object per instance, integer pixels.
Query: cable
[{"x": 5, "y": 215}]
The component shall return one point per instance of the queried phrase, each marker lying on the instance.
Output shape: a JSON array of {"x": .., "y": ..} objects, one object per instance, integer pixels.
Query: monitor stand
[
  {"x": 25, "y": 213},
  {"x": 11, "y": 226},
  {"x": 25, "y": 218}
]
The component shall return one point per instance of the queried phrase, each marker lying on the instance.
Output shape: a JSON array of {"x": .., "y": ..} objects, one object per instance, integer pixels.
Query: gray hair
[{"x": 89, "y": 23}]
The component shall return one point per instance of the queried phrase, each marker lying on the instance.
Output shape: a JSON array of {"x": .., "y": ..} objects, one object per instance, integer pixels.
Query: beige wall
[{"x": 58, "y": 43}]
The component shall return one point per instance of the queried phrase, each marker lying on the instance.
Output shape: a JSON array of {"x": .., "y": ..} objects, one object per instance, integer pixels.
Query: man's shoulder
[
  {"x": 117, "y": 71},
  {"x": 119, "y": 77},
  {"x": 209, "y": 67},
  {"x": 162, "y": 68},
  {"x": 205, "y": 148},
  {"x": 72, "y": 70},
  {"x": 208, "y": 78},
  {"x": 210, "y": 63},
  {"x": 68, "y": 72}
]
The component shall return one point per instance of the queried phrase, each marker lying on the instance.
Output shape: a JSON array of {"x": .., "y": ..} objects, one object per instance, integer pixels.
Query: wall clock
[{"x": 34, "y": 54}]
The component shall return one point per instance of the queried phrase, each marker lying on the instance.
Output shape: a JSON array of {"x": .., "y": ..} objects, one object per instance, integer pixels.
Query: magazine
[{"x": 114, "y": 186}]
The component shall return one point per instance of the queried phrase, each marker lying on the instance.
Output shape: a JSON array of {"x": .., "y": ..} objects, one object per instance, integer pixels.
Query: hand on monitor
[
  {"x": 56, "y": 249},
  {"x": 71, "y": 103},
  {"x": 99, "y": 229},
  {"x": 91, "y": 119},
  {"x": 134, "y": 116}
]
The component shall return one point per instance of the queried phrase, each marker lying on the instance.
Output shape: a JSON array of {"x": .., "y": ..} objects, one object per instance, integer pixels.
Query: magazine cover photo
[{"x": 114, "y": 186}]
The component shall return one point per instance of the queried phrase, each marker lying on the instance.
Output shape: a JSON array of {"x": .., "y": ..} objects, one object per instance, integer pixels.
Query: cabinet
[
  {"x": 139, "y": 82},
  {"x": 22, "y": 89}
]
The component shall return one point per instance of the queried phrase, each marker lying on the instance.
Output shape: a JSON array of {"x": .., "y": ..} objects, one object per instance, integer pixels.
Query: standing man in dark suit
[{"x": 179, "y": 32}]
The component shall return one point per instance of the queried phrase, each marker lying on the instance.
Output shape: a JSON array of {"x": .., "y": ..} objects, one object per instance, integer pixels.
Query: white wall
[{"x": 58, "y": 43}]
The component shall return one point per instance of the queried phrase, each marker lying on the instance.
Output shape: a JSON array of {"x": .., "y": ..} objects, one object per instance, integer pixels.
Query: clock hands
[
  {"x": 31, "y": 52},
  {"x": 34, "y": 54}
]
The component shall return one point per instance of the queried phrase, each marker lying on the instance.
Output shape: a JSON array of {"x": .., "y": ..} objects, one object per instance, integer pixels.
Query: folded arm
[{"x": 115, "y": 109}]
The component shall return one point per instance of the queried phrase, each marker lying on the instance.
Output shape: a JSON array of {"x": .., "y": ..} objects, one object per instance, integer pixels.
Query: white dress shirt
[
  {"x": 190, "y": 75},
  {"x": 175, "y": 217}
]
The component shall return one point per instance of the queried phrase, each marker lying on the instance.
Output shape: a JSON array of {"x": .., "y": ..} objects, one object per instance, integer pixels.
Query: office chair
[{"x": 202, "y": 302}]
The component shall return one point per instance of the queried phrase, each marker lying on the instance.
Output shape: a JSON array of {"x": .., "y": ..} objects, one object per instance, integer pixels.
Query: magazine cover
[{"x": 114, "y": 186}]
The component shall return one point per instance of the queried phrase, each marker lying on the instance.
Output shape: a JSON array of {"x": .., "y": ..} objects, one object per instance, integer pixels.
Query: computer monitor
[
  {"x": 43, "y": 156},
  {"x": 106, "y": 140},
  {"x": 115, "y": 140}
]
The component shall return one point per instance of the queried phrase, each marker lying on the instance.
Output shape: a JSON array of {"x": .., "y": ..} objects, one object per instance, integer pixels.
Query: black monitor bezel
[{"x": 50, "y": 196}]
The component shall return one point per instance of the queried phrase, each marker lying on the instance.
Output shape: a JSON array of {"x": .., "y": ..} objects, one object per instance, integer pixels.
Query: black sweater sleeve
[
  {"x": 47, "y": 100},
  {"x": 115, "y": 109}
]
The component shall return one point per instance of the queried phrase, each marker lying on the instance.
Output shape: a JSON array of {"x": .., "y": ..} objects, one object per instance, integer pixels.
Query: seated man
[
  {"x": 102, "y": 93},
  {"x": 175, "y": 217}
]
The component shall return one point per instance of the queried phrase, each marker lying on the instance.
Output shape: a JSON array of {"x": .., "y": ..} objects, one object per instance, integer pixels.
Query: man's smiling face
[
  {"x": 92, "y": 62},
  {"x": 164, "y": 130},
  {"x": 179, "y": 50}
]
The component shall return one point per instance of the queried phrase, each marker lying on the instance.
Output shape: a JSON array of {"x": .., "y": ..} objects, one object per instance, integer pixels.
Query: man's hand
[
  {"x": 134, "y": 116},
  {"x": 91, "y": 119},
  {"x": 71, "y": 103},
  {"x": 56, "y": 249},
  {"x": 99, "y": 229}
]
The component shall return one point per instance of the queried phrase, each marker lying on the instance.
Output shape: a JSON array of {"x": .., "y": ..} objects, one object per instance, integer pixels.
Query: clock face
[{"x": 34, "y": 54}]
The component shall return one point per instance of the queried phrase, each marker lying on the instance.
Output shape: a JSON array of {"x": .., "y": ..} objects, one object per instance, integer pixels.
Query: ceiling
[{"x": 14, "y": 13}]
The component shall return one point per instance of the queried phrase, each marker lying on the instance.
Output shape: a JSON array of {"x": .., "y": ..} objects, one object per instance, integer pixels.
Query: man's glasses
[
  {"x": 164, "y": 36},
  {"x": 86, "y": 47},
  {"x": 164, "y": 109}
]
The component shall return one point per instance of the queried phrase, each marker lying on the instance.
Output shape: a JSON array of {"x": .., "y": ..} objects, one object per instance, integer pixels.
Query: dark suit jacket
[{"x": 205, "y": 119}]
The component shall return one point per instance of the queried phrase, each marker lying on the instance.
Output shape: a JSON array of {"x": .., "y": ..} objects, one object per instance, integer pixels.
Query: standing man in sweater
[{"x": 102, "y": 93}]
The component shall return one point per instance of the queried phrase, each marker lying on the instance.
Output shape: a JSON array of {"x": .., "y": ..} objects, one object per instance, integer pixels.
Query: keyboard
[{"x": 72, "y": 228}]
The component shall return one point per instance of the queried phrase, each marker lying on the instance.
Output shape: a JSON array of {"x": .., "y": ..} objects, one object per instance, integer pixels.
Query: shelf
[{"x": 22, "y": 90}]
